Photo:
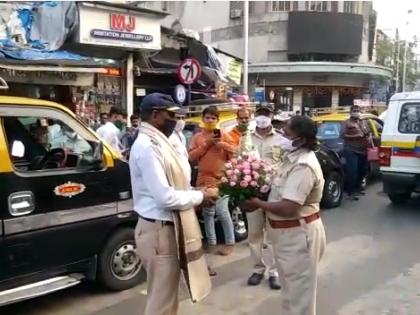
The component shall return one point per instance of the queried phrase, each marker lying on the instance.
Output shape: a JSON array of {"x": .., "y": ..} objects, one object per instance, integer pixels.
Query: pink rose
[
  {"x": 254, "y": 183},
  {"x": 247, "y": 171},
  {"x": 255, "y": 165},
  {"x": 248, "y": 178},
  {"x": 224, "y": 180},
  {"x": 244, "y": 184},
  {"x": 246, "y": 165},
  {"x": 253, "y": 157},
  {"x": 264, "y": 189},
  {"x": 229, "y": 173},
  {"x": 255, "y": 175},
  {"x": 267, "y": 169},
  {"x": 232, "y": 184},
  {"x": 228, "y": 165},
  {"x": 237, "y": 172},
  {"x": 234, "y": 178}
]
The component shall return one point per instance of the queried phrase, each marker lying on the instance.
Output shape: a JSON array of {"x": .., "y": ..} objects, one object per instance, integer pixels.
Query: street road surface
[{"x": 371, "y": 267}]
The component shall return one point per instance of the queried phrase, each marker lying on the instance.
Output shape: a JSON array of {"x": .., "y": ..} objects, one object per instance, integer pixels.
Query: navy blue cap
[
  {"x": 158, "y": 101},
  {"x": 265, "y": 106}
]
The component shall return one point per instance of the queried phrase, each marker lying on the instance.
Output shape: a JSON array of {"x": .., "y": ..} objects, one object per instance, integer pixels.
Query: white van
[{"x": 400, "y": 147}]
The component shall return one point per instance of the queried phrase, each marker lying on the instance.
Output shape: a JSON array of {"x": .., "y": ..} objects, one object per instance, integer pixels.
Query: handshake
[{"x": 210, "y": 194}]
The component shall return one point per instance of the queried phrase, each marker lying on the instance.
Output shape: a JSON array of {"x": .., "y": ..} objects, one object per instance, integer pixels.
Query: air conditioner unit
[{"x": 235, "y": 14}]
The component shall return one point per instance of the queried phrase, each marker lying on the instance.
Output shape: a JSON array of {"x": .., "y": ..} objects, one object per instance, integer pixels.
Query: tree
[{"x": 387, "y": 55}]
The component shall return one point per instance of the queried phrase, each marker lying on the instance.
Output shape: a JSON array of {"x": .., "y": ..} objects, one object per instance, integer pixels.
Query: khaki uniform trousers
[
  {"x": 297, "y": 252},
  {"x": 157, "y": 248},
  {"x": 256, "y": 231}
]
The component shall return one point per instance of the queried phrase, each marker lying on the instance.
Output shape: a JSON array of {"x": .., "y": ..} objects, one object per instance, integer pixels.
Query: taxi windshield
[{"x": 329, "y": 130}]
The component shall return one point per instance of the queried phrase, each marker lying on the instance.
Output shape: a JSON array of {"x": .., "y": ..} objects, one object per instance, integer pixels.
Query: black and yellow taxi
[
  {"x": 66, "y": 211},
  {"x": 330, "y": 133}
]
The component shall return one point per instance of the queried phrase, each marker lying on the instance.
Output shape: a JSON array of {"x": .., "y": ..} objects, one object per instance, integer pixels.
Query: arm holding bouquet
[{"x": 296, "y": 189}]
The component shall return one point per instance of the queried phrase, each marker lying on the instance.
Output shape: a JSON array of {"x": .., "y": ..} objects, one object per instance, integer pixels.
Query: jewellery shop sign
[{"x": 105, "y": 27}]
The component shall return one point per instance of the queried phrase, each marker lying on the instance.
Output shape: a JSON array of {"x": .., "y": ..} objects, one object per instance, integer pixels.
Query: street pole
[
  {"x": 404, "y": 67},
  {"x": 405, "y": 54},
  {"x": 130, "y": 87},
  {"x": 246, "y": 19},
  {"x": 397, "y": 83}
]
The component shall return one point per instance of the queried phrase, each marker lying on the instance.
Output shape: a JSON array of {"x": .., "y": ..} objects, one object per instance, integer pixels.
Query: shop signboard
[
  {"x": 105, "y": 26},
  {"x": 259, "y": 94},
  {"x": 362, "y": 103},
  {"x": 232, "y": 67},
  {"x": 48, "y": 77}
]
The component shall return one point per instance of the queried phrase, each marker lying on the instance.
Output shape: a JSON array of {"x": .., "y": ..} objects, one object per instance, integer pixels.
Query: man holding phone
[{"x": 212, "y": 148}]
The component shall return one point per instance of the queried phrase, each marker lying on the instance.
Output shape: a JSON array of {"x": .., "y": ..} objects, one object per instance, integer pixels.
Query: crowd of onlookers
[{"x": 212, "y": 147}]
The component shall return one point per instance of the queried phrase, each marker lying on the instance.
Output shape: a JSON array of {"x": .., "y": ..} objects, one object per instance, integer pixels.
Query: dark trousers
[{"x": 355, "y": 170}]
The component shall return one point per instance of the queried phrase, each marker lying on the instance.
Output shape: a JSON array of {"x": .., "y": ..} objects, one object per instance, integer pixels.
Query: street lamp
[{"x": 246, "y": 21}]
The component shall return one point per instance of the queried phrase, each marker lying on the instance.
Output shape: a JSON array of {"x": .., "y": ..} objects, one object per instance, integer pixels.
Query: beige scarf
[{"x": 187, "y": 228}]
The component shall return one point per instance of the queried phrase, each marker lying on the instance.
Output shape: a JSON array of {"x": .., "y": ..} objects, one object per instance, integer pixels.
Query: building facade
[{"x": 302, "y": 54}]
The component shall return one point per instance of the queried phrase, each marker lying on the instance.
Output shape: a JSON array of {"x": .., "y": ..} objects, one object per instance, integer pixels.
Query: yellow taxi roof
[
  {"x": 13, "y": 100},
  {"x": 339, "y": 117}
]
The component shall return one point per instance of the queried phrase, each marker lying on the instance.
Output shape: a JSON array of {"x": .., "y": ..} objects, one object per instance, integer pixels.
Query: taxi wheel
[
  {"x": 400, "y": 198},
  {"x": 119, "y": 266},
  {"x": 333, "y": 191}
]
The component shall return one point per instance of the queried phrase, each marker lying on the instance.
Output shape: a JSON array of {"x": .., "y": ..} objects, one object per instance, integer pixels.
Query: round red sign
[{"x": 189, "y": 71}]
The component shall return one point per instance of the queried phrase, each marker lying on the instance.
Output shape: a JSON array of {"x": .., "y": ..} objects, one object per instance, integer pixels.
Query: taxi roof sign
[{"x": 4, "y": 85}]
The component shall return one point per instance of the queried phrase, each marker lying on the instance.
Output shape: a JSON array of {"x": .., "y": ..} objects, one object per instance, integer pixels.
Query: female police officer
[{"x": 294, "y": 224}]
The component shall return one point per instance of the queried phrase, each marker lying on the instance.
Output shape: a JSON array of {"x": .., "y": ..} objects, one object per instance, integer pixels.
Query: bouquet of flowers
[{"x": 245, "y": 177}]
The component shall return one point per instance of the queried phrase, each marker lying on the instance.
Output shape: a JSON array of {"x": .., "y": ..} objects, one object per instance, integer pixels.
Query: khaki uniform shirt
[
  {"x": 268, "y": 147},
  {"x": 299, "y": 179}
]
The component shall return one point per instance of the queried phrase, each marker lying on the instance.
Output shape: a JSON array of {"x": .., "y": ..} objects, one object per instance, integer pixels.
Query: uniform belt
[
  {"x": 157, "y": 221},
  {"x": 286, "y": 224}
]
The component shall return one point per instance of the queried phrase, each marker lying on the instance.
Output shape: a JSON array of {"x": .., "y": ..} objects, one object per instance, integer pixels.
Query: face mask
[
  {"x": 168, "y": 127},
  {"x": 242, "y": 127},
  {"x": 210, "y": 126},
  {"x": 263, "y": 122},
  {"x": 355, "y": 115},
  {"x": 120, "y": 125},
  {"x": 286, "y": 144},
  {"x": 180, "y": 125}
]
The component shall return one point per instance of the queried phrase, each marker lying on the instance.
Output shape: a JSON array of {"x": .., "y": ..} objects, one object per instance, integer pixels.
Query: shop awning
[
  {"x": 321, "y": 67},
  {"x": 55, "y": 68}
]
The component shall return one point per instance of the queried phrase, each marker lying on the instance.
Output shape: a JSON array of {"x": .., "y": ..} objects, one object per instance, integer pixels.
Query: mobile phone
[{"x": 216, "y": 133}]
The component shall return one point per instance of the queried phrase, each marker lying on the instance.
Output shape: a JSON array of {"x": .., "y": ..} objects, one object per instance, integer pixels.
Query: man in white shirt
[
  {"x": 155, "y": 200},
  {"x": 266, "y": 140},
  {"x": 110, "y": 133},
  {"x": 177, "y": 138}
]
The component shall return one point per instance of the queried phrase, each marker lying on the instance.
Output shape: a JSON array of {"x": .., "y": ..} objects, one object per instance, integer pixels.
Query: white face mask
[
  {"x": 286, "y": 144},
  {"x": 263, "y": 122},
  {"x": 180, "y": 125},
  {"x": 355, "y": 114}
]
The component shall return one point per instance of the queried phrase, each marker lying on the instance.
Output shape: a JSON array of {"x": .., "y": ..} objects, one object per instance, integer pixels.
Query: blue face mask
[{"x": 286, "y": 144}]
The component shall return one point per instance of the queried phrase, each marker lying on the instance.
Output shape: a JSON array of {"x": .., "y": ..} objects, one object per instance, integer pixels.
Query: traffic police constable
[
  {"x": 154, "y": 201},
  {"x": 295, "y": 227}
]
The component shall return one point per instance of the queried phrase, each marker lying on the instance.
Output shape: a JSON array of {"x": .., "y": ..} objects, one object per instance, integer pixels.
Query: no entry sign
[{"x": 189, "y": 71}]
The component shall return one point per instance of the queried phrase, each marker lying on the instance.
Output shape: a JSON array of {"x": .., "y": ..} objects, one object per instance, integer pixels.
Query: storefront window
[
  {"x": 348, "y": 95},
  {"x": 317, "y": 97}
]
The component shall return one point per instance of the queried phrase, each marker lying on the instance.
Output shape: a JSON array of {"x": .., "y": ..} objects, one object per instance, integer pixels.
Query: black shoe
[
  {"x": 274, "y": 283},
  {"x": 255, "y": 279},
  {"x": 353, "y": 197}
]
